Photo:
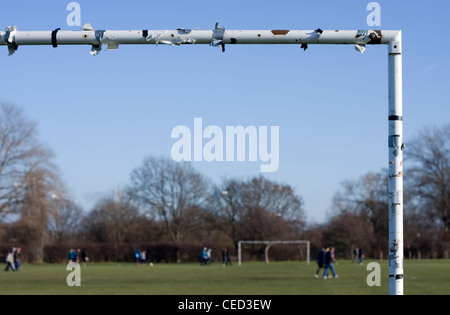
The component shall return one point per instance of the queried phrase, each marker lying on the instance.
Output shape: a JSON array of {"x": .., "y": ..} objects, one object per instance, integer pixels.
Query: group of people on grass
[
  {"x": 140, "y": 257},
  {"x": 326, "y": 259},
  {"x": 13, "y": 259},
  {"x": 206, "y": 257},
  {"x": 78, "y": 256},
  {"x": 358, "y": 255}
]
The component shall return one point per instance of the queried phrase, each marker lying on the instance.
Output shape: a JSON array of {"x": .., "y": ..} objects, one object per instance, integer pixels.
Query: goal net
[{"x": 269, "y": 244}]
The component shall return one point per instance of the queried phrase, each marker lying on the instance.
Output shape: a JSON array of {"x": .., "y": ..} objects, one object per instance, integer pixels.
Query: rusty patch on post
[
  {"x": 375, "y": 38},
  {"x": 280, "y": 32}
]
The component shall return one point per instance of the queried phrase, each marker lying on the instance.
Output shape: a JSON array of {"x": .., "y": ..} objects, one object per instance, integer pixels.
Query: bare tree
[
  {"x": 240, "y": 200},
  {"x": 229, "y": 206},
  {"x": 429, "y": 155},
  {"x": 112, "y": 219},
  {"x": 261, "y": 224},
  {"x": 172, "y": 193},
  {"x": 348, "y": 231},
  {"x": 39, "y": 190},
  {"x": 18, "y": 149},
  {"x": 277, "y": 198},
  {"x": 27, "y": 176},
  {"x": 64, "y": 219},
  {"x": 367, "y": 198}
]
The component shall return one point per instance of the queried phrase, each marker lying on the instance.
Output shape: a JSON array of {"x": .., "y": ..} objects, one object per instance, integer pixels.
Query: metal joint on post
[
  {"x": 395, "y": 45},
  {"x": 395, "y": 48},
  {"x": 218, "y": 37},
  {"x": 10, "y": 39}
]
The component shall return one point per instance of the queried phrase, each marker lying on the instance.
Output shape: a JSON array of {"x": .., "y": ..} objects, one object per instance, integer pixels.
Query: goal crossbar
[{"x": 270, "y": 243}]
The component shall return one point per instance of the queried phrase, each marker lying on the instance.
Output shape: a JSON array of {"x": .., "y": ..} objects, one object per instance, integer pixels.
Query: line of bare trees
[
  {"x": 360, "y": 208},
  {"x": 169, "y": 202}
]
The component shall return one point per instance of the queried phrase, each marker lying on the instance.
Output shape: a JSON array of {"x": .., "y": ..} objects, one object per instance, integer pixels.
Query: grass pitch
[{"x": 287, "y": 278}]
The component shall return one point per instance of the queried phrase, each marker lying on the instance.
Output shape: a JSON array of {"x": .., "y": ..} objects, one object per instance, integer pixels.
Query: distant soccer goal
[{"x": 269, "y": 244}]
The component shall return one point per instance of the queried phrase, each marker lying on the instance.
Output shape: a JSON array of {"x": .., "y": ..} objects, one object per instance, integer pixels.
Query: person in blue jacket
[
  {"x": 204, "y": 257},
  {"x": 329, "y": 260}
]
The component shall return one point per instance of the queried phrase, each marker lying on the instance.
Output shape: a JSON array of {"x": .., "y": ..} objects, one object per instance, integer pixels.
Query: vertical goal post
[
  {"x": 220, "y": 37},
  {"x": 269, "y": 244}
]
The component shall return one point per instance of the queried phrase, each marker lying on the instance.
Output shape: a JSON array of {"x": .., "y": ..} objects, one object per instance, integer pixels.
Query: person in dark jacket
[
  {"x": 320, "y": 262},
  {"x": 17, "y": 258},
  {"x": 84, "y": 257},
  {"x": 329, "y": 263},
  {"x": 226, "y": 260}
]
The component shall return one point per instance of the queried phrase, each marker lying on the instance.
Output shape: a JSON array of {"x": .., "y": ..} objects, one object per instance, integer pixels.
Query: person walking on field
[
  {"x": 84, "y": 257},
  {"x": 143, "y": 258},
  {"x": 17, "y": 259},
  {"x": 209, "y": 256},
  {"x": 204, "y": 257},
  {"x": 10, "y": 261},
  {"x": 361, "y": 256},
  {"x": 329, "y": 264},
  {"x": 320, "y": 262},
  {"x": 226, "y": 260},
  {"x": 355, "y": 255}
]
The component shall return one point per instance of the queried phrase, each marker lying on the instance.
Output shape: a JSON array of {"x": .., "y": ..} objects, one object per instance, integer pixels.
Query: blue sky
[{"x": 102, "y": 115}]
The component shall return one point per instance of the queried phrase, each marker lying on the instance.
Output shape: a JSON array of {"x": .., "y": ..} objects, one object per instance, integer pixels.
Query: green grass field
[{"x": 290, "y": 278}]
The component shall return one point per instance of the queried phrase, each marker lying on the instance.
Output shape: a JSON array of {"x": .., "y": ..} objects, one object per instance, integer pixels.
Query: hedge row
[
  {"x": 166, "y": 253},
  {"x": 156, "y": 252}
]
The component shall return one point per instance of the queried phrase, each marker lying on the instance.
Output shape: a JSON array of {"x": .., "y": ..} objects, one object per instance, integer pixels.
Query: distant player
[
  {"x": 137, "y": 256},
  {"x": 361, "y": 256},
  {"x": 329, "y": 260},
  {"x": 355, "y": 255},
  {"x": 320, "y": 262},
  {"x": 204, "y": 257},
  {"x": 209, "y": 256},
  {"x": 226, "y": 260}
]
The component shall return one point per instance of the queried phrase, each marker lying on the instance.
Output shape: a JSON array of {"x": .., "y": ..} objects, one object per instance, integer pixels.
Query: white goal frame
[
  {"x": 269, "y": 244},
  {"x": 220, "y": 37}
]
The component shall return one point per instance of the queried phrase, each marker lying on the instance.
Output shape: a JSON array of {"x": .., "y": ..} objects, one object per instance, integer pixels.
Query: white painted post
[
  {"x": 240, "y": 253},
  {"x": 308, "y": 252},
  {"x": 396, "y": 148}
]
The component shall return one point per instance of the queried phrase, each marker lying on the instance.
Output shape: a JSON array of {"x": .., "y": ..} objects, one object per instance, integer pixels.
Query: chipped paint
[
  {"x": 96, "y": 49},
  {"x": 184, "y": 31},
  {"x": 361, "y": 33},
  {"x": 375, "y": 38},
  {"x": 10, "y": 39},
  {"x": 280, "y": 32},
  {"x": 218, "y": 37},
  {"x": 395, "y": 246}
]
